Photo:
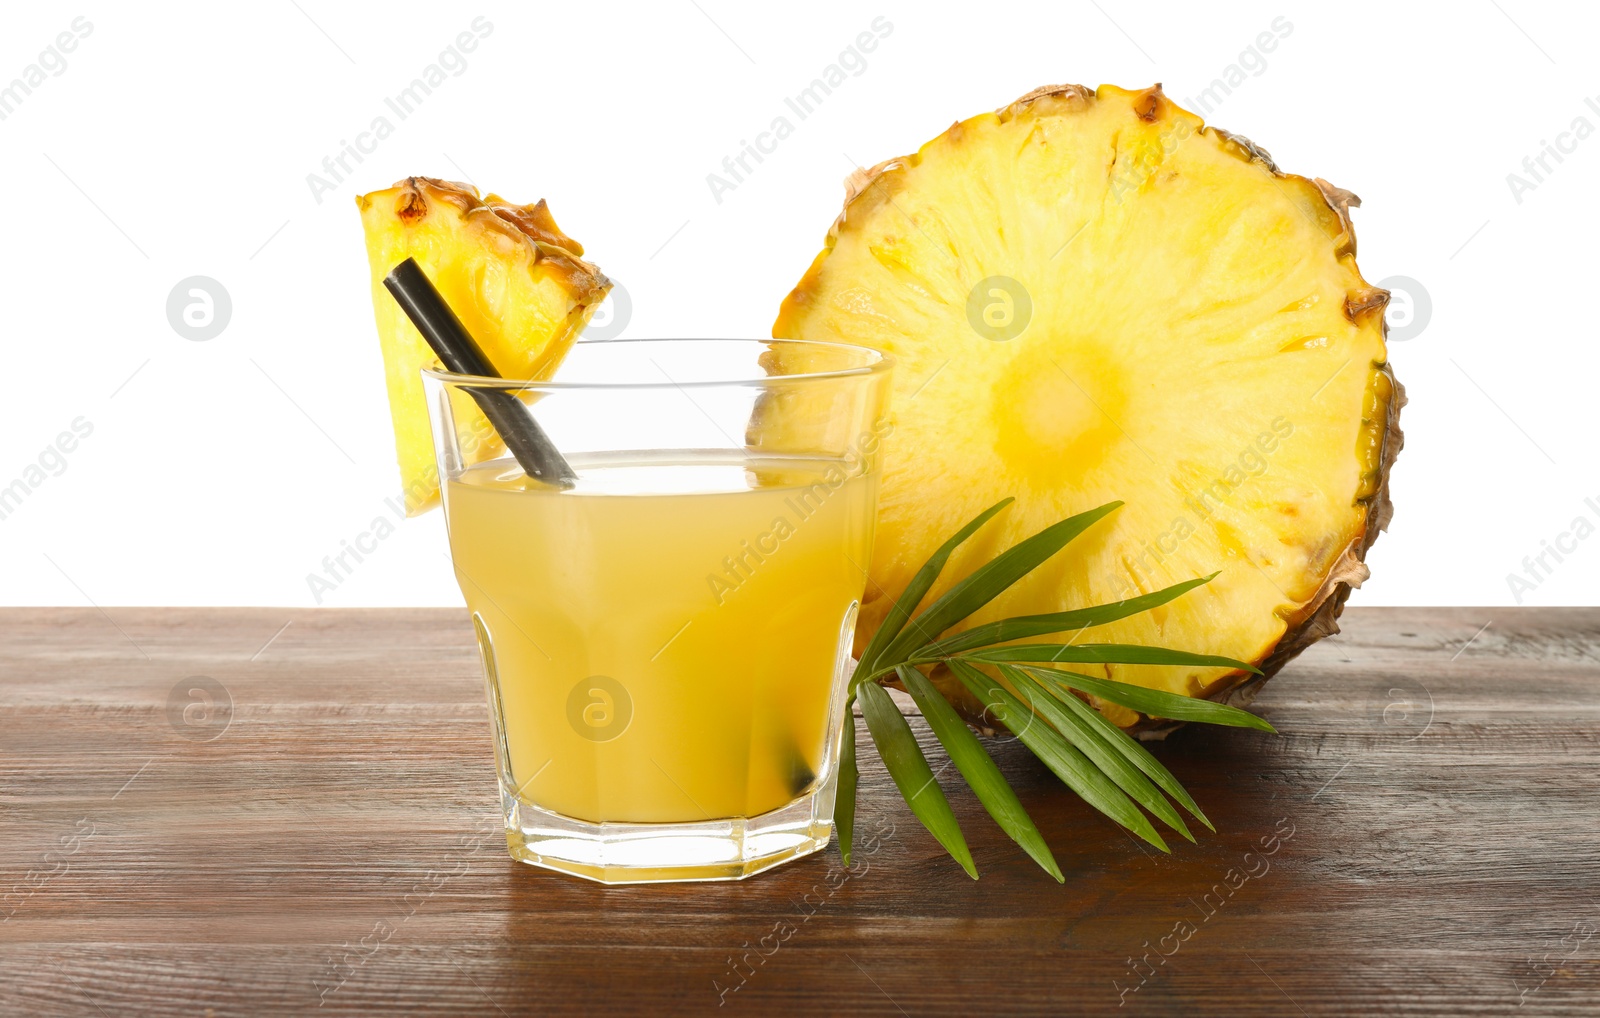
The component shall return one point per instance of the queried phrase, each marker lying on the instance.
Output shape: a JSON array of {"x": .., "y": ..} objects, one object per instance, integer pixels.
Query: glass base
[{"x": 622, "y": 853}]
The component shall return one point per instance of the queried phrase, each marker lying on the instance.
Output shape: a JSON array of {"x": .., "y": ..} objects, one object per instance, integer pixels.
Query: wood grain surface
[{"x": 1422, "y": 837}]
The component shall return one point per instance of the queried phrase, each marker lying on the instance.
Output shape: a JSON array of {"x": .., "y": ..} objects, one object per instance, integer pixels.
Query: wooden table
[{"x": 1431, "y": 806}]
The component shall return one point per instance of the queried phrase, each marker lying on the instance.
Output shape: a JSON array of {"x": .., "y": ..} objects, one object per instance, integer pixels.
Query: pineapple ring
[{"x": 1195, "y": 339}]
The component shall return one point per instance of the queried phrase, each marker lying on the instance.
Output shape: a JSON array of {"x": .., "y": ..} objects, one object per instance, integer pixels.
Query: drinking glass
[{"x": 666, "y": 641}]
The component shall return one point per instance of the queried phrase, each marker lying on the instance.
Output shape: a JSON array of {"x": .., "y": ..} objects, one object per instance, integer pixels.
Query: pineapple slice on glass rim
[
  {"x": 1092, "y": 296},
  {"x": 518, "y": 284}
]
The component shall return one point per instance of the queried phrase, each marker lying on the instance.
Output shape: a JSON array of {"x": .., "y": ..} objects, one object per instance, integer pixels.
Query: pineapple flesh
[
  {"x": 1091, "y": 296},
  {"x": 517, "y": 283}
]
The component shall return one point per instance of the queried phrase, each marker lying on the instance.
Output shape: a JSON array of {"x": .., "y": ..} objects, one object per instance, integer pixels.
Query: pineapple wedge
[
  {"x": 516, "y": 281},
  {"x": 1092, "y": 296}
]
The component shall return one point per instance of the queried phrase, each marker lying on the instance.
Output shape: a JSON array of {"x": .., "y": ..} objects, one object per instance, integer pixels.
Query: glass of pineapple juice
[{"x": 666, "y": 642}]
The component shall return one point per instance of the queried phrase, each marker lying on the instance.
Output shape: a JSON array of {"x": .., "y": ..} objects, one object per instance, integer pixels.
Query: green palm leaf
[
  {"x": 1065, "y": 760},
  {"x": 1155, "y": 702},
  {"x": 844, "y": 806},
  {"x": 1105, "y": 766},
  {"x": 1099, "y": 653},
  {"x": 911, "y": 773},
  {"x": 1136, "y": 754},
  {"x": 1060, "y": 714},
  {"x": 1024, "y": 626},
  {"x": 978, "y": 768},
  {"x": 918, "y": 588},
  {"x": 986, "y": 583}
]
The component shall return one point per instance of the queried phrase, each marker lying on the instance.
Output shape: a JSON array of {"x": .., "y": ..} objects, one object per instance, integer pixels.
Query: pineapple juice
[{"x": 663, "y": 638}]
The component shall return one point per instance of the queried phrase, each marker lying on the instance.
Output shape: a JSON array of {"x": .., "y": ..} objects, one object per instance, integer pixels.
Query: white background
[{"x": 222, "y": 472}]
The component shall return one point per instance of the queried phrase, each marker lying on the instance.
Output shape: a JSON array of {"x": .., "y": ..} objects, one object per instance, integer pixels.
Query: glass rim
[{"x": 877, "y": 362}]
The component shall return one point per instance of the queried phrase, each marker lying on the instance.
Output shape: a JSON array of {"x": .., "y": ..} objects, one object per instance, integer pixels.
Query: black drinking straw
[{"x": 459, "y": 353}]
